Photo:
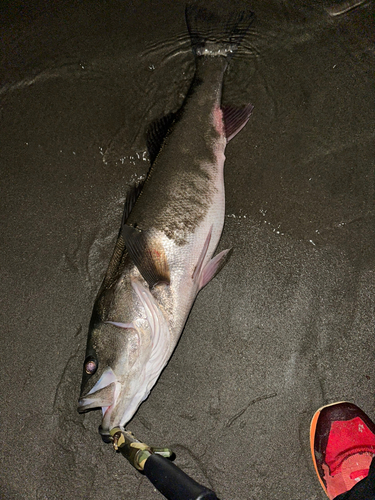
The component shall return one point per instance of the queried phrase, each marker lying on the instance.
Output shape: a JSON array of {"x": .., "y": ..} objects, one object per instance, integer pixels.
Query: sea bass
[{"x": 170, "y": 230}]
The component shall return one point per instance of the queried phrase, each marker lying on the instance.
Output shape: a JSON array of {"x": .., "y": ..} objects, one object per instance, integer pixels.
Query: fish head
[
  {"x": 111, "y": 353},
  {"x": 123, "y": 361}
]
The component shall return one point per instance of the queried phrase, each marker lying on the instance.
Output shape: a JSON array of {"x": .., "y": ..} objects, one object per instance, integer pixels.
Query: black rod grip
[{"x": 172, "y": 482}]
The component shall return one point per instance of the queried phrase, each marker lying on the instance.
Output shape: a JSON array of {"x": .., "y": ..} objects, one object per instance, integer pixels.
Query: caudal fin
[{"x": 213, "y": 36}]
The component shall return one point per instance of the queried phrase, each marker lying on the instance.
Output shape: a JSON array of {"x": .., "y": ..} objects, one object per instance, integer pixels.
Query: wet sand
[{"x": 286, "y": 327}]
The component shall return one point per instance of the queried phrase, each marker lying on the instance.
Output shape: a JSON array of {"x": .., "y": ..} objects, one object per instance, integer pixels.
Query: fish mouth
[{"x": 103, "y": 395}]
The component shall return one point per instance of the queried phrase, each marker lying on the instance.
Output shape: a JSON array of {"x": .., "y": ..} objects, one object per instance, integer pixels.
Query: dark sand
[{"x": 286, "y": 327}]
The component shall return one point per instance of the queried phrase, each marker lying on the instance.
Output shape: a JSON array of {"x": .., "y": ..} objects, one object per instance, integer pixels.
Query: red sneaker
[{"x": 342, "y": 439}]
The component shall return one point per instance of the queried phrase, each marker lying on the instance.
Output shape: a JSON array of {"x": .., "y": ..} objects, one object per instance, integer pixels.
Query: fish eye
[{"x": 91, "y": 365}]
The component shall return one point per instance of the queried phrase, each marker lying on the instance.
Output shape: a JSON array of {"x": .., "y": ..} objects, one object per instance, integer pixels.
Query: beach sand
[{"x": 286, "y": 327}]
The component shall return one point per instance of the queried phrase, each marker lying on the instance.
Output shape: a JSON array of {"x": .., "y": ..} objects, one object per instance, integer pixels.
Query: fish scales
[
  {"x": 164, "y": 254},
  {"x": 181, "y": 184}
]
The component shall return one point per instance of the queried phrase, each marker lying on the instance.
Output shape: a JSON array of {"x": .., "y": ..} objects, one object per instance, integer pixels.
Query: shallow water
[{"x": 286, "y": 327}]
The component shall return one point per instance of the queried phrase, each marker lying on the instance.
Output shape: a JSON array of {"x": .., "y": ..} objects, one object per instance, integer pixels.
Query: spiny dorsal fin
[
  {"x": 235, "y": 118},
  {"x": 147, "y": 254},
  {"x": 133, "y": 193},
  {"x": 157, "y": 132}
]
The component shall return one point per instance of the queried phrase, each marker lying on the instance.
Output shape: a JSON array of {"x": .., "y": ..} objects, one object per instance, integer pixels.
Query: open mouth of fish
[{"x": 103, "y": 395}]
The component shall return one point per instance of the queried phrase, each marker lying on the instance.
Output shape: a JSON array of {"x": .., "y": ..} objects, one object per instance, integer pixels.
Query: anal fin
[{"x": 235, "y": 118}]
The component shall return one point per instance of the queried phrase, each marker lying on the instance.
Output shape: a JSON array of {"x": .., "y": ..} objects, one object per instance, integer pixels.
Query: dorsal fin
[
  {"x": 147, "y": 254},
  {"x": 133, "y": 193},
  {"x": 157, "y": 132},
  {"x": 235, "y": 118}
]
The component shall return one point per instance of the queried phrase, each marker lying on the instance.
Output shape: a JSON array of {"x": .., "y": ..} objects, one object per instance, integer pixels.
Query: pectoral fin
[{"x": 147, "y": 254}]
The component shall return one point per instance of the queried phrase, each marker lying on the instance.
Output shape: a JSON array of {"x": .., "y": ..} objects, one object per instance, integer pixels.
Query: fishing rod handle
[{"x": 172, "y": 482}]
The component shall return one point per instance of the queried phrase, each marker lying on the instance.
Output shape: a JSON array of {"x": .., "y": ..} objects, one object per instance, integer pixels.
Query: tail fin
[{"x": 210, "y": 36}]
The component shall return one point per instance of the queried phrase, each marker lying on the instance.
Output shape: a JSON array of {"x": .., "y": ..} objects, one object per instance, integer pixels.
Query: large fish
[{"x": 164, "y": 253}]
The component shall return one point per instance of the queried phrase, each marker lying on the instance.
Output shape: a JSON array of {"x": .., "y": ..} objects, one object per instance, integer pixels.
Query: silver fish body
[{"x": 164, "y": 254}]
